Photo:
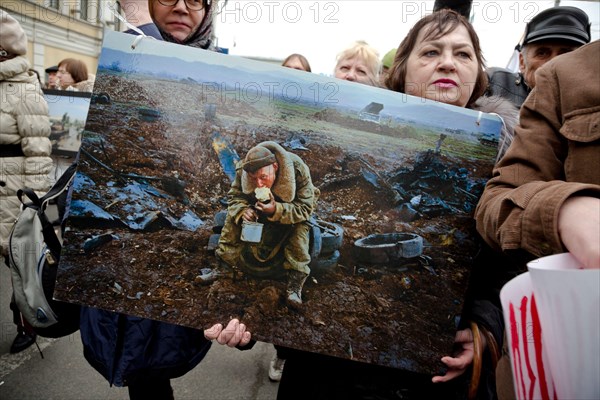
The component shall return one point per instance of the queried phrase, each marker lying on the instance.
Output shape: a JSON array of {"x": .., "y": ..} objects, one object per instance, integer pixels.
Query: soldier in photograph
[{"x": 272, "y": 187}]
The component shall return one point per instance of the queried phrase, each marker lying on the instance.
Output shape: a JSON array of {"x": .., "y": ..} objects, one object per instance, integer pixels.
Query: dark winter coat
[
  {"x": 507, "y": 84},
  {"x": 148, "y": 29},
  {"x": 123, "y": 348},
  {"x": 315, "y": 376},
  {"x": 491, "y": 269}
]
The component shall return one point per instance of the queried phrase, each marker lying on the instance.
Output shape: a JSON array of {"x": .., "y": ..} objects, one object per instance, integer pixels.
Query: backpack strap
[
  {"x": 49, "y": 234},
  {"x": 50, "y": 237},
  {"x": 36, "y": 203},
  {"x": 64, "y": 180},
  {"x": 39, "y": 204}
]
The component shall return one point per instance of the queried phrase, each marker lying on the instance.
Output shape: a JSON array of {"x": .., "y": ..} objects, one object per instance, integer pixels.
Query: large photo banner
[{"x": 360, "y": 249}]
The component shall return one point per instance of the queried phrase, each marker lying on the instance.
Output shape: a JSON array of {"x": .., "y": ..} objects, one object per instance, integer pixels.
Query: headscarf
[{"x": 203, "y": 37}]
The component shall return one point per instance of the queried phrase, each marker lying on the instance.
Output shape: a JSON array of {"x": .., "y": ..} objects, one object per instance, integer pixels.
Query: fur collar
[
  {"x": 499, "y": 106},
  {"x": 284, "y": 187}
]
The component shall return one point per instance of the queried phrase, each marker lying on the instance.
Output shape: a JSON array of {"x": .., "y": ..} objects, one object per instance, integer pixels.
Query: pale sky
[{"x": 321, "y": 29}]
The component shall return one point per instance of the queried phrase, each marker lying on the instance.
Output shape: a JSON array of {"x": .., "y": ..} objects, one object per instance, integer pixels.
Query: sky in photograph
[
  {"x": 256, "y": 82},
  {"x": 321, "y": 29}
]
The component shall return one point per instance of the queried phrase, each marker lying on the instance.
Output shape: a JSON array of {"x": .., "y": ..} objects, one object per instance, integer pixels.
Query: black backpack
[{"x": 35, "y": 243}]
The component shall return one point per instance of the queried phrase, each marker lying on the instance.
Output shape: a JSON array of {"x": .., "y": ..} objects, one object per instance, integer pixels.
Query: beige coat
[
  {"x": 23, "y": 121},
  {"x": 555, "y": 154}
]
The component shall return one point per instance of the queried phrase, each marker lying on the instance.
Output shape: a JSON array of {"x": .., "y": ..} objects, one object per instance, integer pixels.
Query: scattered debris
[
  {"x": 388, "y": 247},
  {"x": 434, "y": 187},
  {"x": 149, "y": 114},
  {"x": 228, "y": 157},
  {"x": 296, "y": 142},
  {"x": 97, "y": 241},
  {"x": 117, "y": 288}
]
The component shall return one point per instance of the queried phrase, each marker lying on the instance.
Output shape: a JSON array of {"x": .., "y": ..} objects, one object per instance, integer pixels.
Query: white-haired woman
[{"x": 359, "y": 63}]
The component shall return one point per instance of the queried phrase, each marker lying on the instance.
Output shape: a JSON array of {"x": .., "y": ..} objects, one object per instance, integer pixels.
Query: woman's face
[
  {"x": 178, "y": 21},
  {"x": 354, "y": 70},
  {"x": 444, "y": 69},
  {"x": 294, "y": 63},
  {"x": 64, "y": 77}
]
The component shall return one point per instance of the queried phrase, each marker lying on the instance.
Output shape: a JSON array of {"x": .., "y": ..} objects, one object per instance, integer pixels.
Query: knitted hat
[
  {"x": 559, "y": 23},
  {"x": 388, "y": 59},
  {"x": 257, "y": 158},
  {"x": 12, "y": 36}
]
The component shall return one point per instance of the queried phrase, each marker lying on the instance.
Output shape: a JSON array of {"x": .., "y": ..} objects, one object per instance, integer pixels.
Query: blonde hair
[{"x": 370, "y": 57}]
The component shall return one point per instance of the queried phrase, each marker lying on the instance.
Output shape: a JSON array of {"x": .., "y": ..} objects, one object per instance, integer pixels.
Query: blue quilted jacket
[{"x": 122, "y": 347}]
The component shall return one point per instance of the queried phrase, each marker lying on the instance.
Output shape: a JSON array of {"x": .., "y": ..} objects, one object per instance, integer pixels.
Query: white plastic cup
[{"x": 568, "y": 302}]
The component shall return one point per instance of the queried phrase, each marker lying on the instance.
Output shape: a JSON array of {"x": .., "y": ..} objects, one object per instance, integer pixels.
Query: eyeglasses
[{"x": 195, "y": 5}]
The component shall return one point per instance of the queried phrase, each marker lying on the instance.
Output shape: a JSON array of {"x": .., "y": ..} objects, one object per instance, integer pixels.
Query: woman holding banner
[
  {"x": 440, "y": 59},
  {"x": 139, "y": 353}
]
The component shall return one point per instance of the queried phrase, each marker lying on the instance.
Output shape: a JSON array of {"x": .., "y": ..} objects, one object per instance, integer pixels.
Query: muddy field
[{"x": 401, "y": 314}]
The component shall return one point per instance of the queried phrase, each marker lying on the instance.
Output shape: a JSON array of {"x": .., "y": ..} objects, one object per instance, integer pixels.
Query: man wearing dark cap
[
  {"x": 552, "y": 32},
  {"x": 284, "y": 210},
  {"x": 51, "y": 78}
]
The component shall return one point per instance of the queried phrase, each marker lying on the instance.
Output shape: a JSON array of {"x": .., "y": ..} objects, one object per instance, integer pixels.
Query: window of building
[
  {"x": 53, "y": 4},
  {"x": 83, "y": 9}
]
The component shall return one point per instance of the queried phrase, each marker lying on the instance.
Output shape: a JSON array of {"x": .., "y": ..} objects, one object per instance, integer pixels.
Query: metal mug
[{"x": 252, "y": 232}]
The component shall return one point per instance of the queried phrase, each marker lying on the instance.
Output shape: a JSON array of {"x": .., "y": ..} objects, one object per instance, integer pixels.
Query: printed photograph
[
  {"x": 67, "y": 112},
  {"x": 326, "y": 215}
]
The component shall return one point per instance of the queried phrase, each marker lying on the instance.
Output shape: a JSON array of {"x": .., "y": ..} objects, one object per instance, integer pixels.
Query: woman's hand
[
  {"x": 233, "y": 335},
  {"x": 458, "y": 365}
]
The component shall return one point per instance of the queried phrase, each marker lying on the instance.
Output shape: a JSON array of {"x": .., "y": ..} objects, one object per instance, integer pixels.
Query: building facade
[{"x": 57, "y": 29}]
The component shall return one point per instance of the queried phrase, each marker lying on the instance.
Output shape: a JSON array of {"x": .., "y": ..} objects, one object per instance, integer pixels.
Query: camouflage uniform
[{"x": 295, "y": 198}]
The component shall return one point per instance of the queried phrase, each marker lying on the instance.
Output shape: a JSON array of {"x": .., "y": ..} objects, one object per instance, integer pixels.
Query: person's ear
[
  {"x": 522, "y": 61},
  {"x": 275, "y": 166}
]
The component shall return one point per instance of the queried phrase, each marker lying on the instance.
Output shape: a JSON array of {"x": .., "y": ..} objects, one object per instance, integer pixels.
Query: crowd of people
[{"x": 543, "y": 197}]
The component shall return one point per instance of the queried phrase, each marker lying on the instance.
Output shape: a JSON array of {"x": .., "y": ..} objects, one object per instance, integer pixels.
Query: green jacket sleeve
[{"x": 301, "y": 208}]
